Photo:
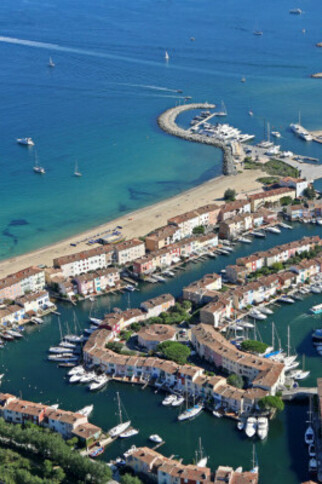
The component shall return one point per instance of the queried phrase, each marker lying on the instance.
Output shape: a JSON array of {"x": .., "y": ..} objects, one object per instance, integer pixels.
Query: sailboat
[
  {"x": 122, "y": 426},
  {"x": 223, "y": 111},
  {"x": 51, "y": 63},
  {"x": 309, "y": 435},
  {"x": 255, "y": 467},
  {"x": 201, "y": 460},
  {"x": 166, "y": 56},
  {"x": 76, "y": 170},
  {"x": 37, "y": 168}
]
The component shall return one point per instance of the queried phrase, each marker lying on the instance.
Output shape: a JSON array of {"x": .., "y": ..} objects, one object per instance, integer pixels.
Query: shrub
[
  {"x": 175, "y": 351},
  {"x": 235, "y": 380},
  {"x": 230, "y": 195}
]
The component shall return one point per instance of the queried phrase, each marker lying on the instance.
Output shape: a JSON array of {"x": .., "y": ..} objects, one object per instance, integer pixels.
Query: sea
[
  {"x": 99, "y": 105},
  {"x": 282, "y": 457}
]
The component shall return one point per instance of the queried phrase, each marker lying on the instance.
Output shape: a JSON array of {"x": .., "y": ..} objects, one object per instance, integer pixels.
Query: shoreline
[{"x": 139, "y": 222}]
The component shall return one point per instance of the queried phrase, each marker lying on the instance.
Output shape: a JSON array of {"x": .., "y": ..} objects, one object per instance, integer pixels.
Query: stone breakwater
[{"x": 167, "y": 122}]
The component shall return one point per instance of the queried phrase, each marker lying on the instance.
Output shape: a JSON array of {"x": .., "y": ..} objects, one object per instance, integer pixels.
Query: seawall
[{"x": 167, "y": 122}]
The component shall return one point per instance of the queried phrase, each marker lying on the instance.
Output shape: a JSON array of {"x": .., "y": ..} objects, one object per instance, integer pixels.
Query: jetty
[
  {"x": 299, "y": 392},
  {"x": 167, "y": 122}
]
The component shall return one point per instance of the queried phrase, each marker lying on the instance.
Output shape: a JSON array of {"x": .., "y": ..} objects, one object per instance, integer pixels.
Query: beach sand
[{"x": 143, "y": 221}]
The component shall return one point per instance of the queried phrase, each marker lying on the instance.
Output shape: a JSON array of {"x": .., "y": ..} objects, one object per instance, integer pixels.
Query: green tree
[
  {"x": 199, "y": 230},
  {"x": 230, "y": 195},
  {"x": 254, "y": 346},
  {"x": 271, "y": 402},
  {"x": 129, "y": 479},
  {"x": 309, "y": 192},
  {"x": 277, "y": 266},
  {"x": 136, "y": 327},
  {"x": 235, "y": 380},
  {"x": 172, "y": 350},
  {"x": 114, "y": 346},
  {"x": 284, "y": 201}
]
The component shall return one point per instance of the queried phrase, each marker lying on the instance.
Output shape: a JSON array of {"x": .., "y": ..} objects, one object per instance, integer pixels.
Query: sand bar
[{"x": 141, "y": 222}]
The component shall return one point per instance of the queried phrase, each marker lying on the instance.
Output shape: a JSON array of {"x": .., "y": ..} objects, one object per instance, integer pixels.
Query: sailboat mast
[
  {"x": 119, "y": 406},
  {"x": 288, "y": 340},
  {"x": 273, "y": 336}
]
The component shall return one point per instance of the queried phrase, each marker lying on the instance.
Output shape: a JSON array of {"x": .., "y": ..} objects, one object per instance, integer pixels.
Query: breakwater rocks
[{"x": 167, "y": 122}]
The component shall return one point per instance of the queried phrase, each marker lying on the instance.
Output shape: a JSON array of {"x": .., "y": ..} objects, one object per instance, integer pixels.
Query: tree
[
  {"x": 271, "y": 402},
  {"x": 129, "y": 479},
  {"x": 277, "y": 266},
  {"x": 309, "y": 192},
  {"x": 199, "y": 230},
  {"x": 175, "y": 351},
  {"x": 135, "y": 327},
  {"x": 286, "y": 201},
  {"x": 186, "y": 305},
  {"x": 235, "y": 380},
  {"x": 230, "y": 195},
  {"x": 114, "y": 346},
  {"x": 254, "y": 346}
]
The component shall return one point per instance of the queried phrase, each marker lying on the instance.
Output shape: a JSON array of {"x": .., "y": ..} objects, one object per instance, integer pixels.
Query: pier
[
  {"x": 299, "y": 392},
  {"x": 167, "y": 122}
]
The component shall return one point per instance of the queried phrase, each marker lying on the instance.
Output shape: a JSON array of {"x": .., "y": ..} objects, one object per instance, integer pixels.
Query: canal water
[{"x": 282, "y": 457}]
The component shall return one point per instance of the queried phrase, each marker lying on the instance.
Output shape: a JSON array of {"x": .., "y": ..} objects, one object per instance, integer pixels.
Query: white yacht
[
  {"x": 128, "y": 433},
  {"x": 122, "y": 426},
  {"x": 201, "y": 459},
  {"x": 166, "y": 56},
  {"x": 155, "y": 438},
  {"x": 250, "y": 429},
  {"x": 98, "y": 383},
  {"x": 25, "y": 141},
  {"x": 169, "y": 400},
  {"x": 190, "y": 413},
  {"x": 76, "y": 369},
  {"x": 254, "y": 313},
  {"x": 95, "y": 321},
  {"x": 265, "y": 310},
  {"x": 276, "y": 134},
  {"x": 273, "y": 230},
  {"x": 262, "y": 427},
  {"x": 77, "y": 173},
  {"x": 241, "y": 425},
  {"x": 178, "y": 401},
  {"x": 86, "y": 411},
  {"x": 309, "y": 436}
]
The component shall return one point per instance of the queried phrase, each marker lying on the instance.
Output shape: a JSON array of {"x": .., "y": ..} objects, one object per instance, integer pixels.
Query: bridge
[{"x": 299, "y": 392}]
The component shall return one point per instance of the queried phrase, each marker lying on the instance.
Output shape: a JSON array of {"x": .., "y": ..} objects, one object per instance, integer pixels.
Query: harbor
[{"x": 35, "y": 382}]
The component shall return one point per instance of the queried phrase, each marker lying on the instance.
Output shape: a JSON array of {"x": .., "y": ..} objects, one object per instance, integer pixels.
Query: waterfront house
[
  {"x": 307, "y": 268},
  {"x": 87, "y": 433},
  {"x": 128, "y": 251},
  {"x": 11, "y": 314},
  {"x": 228, "y": 475},
  {"x": 315, "y": 208},
  {"x": 204, "y": 290},
  {"x": 215, "y": 312},
  {"x": 97, "y": 281},
  {"x": 21, "y": 411},
  {"x": 205, "y": 216},
  {"x": 270, "y": 197},
  {"x": 82, "y": 262},
  {"x": 236, "y": 273},
  {"x": 35, "y": 302},
  {"x": 149, "y": 337},
  {"x": 162, "y": 237},
  {"x": 62, "y": 421},
  {"x": 230, "y": 228},
  {"x": 31, "y": 279},
  {"x": 157, "y": 305},
  {"x": 252, "y": 262},
  {"x": 286, "y": 279},
  {"x": 296, "y": 212},
  {"x": 232, "y": 209},
  {"x": 299, "y": 184}
]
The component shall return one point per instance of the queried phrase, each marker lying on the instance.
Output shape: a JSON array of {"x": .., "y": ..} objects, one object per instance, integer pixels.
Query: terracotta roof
[
  {"x": 12, "y": 279},
  {"x": 157, "y": 332},
  {"x": 85, "y": 254},
  {"x": 271, "y": 193},
  {"x": 128, "y": 244}
]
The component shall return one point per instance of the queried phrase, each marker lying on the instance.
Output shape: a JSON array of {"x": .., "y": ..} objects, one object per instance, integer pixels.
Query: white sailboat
[
  {"x": 76, "y": 170},
  {"x": 201, "y": 459},
  {"x": 86, "y": 411},
  {"x": 122, "y": 426},
  {"x": 166, "y": 56},
  {"x": 51, "y": 63}
]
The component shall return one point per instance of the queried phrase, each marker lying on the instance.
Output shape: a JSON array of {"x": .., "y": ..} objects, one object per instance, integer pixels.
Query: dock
[{"x": 300, "y": 392}]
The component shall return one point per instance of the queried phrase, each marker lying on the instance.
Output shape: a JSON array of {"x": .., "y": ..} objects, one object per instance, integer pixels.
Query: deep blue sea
[{"x": 100, "y": 103}]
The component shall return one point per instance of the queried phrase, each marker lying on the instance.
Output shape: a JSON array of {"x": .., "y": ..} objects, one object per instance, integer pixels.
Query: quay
[
  {"x": 301, "y": 392},
  {"x": 167, "y": 122}
]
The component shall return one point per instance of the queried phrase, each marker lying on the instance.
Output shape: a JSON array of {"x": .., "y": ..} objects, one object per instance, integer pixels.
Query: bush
[
  {"x": 277, "y": 167},
  {"x": 277, "y": 266},
  {"x": 199, "y": 230},
  {"x": 284, "y": 201},
  {"x": 235, "y": 380},
  {"x": 309, "y": 192},
  {"x": 230, "y": 195},
  {"x": 135, "y": 327},
  {"x": 268, "y": 180},
  {"x": 126, "y": 334},
  {"x": 114, "y": 346},
  {"x": 174, "y": 351},
  {"x": 254, "y": 346},
  {"x": 129, "y": 479}
]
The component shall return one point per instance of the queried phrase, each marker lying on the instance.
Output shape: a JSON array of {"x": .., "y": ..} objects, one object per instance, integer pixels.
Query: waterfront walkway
[
  {"x": 300, "y": 392},
  {"x": 167, "y": 122}
]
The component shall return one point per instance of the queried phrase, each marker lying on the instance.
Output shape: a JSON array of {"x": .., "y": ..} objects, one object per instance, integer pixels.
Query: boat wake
[{"x": 146, "y": 86}]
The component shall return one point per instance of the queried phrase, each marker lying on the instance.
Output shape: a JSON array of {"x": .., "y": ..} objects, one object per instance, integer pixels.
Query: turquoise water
[
  {"x": 99, "y": 105},
  {"x": 282, "y": 457}
]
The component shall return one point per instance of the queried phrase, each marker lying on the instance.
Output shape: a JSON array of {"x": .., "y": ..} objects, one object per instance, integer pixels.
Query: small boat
[
  {"x": 58, "y": 349},
  {"x": 309, "y": 435},
  {"x": 25, "y": 141},
  {"x": 241, "y": 425},
  {"x": 248, "y": 325},
  {"x": 75, "y": 378},
  {"x": 313, "y": 465},
  {"x": 262, "y": 427},
  {"x": 217, "y": 414},
  {"x": 273, "y": 230},
  {"x": 76, "y": 369},
  {"x": 169, "y": 400},
  {"x": 87, "y": 378},
  {"x": 251, "y": 425},
  {"x": 95, "y": 321},
  {"x": 243, "y": 79},
  {"x": 37, "y": 168},
  {"x": 73, "y": 338},
  {"x": 156, "y": 438},
  {"x": 311, "y": 450},
  {"x": 86, "y": 411},
  {"x": 250, "y": 113},
  {"x": 258, "y": 32},
  {"x": 51, "y": 63},
  {"x": 296, "y": 11},
  {"x": 316, "y": 309},
  {"x": 98, "y": 451},
  {"x": 6, "y": 336},
  {"x": 77, "y": 173},
  {"x": 317, "y": 335},
  {"x": 178, "y": 401},
  {"x": 166, "y": 56},
  {"x": 190, "y": 413},
  {"x": 276, "y": 134},
  {"x": 15, "y": 334},
  {"x": 287, "y": 300},
  {"x": 128, "y": 433},
  {"x": 244, "y": 240},
  {"x": 55, "y": 406},
  {"x": 265, "y": 310},
  {"x": 66, "y": 344},
  {"x": 98, "y": 383},
  {"x": 259, "y": 234},
  {"x": 257, "y": 315}
]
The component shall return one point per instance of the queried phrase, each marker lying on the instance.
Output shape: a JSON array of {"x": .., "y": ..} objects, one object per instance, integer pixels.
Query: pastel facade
[
  {"x": 15, "y": 285},
  {"x": 232, "y": 209},
  {"x": 129, "y": 250},
  {"x": 34, "y": 302},
  {"x": 270, "y": 196},
  {"x": 299, "y": 185},
  {"x": 163, "y": 237},
  {"x": 204, "y": 290},
  {"x": 157, "y": 305},
  {"x": 82, "y": 262},
  {"x": 98, "y": 281}
]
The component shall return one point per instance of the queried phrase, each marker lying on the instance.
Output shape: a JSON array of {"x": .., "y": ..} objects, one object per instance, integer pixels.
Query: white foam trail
[
  {"x": 147, "y": 86},
  {"x": 73, "y": 50}
]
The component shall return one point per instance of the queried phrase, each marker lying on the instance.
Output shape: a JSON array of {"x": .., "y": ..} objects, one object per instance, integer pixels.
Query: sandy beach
[{"x": 143, "y": 221}]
